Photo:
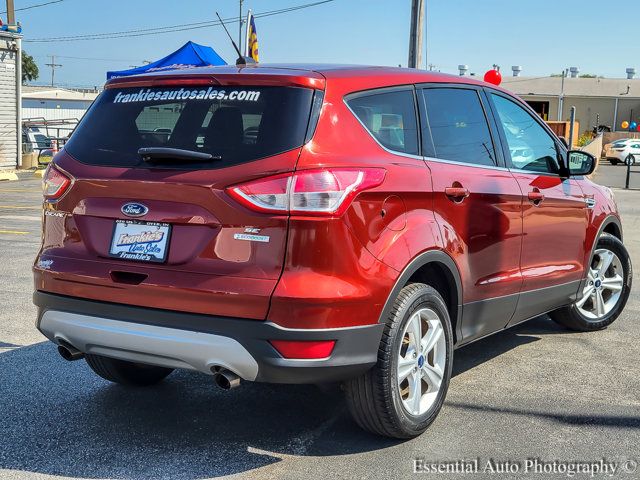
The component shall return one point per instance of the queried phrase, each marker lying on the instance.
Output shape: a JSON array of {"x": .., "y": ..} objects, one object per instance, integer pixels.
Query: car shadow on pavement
[
  {"x": 59, "y": 418},
  {"x": 483, "y": 350},
  {"x": 615, "y": 421}
]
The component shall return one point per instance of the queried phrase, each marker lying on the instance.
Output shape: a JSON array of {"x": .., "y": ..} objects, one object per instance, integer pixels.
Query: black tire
[
  {"x": 571, "y": 317},
  {"x": 126, "y": 373},
  {"x": 614, "y": 162},
  {"x": 374, "y": 398},
  {"x": 630, "y": 160}
]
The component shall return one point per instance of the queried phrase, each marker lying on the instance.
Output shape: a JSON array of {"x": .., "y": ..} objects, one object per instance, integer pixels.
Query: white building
[{"x": 52, "y": 103}]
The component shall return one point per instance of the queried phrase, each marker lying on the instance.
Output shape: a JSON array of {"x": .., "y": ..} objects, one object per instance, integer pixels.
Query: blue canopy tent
[{"x": 188, "y": 56}]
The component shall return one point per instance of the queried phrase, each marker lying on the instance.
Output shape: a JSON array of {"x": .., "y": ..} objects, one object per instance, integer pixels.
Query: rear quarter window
[
  {"x": 233, "y": 124},
  {"x": 390, "y": 117}
]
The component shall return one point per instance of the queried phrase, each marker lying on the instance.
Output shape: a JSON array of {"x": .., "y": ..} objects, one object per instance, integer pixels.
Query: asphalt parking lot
[{"x": 536, "y": 391}]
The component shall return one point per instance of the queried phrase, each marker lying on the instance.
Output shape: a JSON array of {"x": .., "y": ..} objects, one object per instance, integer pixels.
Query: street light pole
[{"x": 565, "y": 72}]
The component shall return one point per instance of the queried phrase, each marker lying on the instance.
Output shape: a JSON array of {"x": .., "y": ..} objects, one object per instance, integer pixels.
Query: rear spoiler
[{"x": 243, "y": 77}]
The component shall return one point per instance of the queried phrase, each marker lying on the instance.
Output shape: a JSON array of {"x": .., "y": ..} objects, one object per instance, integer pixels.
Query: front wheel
[
  {"x": 630, "y": 160},
  {"x": 403, "y": 393},
  {"x": 606, "y": 289}
]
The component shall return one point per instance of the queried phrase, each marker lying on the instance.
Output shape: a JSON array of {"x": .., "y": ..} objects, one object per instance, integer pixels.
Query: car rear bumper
[{"x": 202, "y": 342}]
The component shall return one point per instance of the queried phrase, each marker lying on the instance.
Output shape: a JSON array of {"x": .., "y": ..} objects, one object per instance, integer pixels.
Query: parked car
[
  {"x": 624, "y": 153},
  {"x": 610, "y": 149},
  {"x": 35, "y": 139},
  {"x": 374, "y": 221}
]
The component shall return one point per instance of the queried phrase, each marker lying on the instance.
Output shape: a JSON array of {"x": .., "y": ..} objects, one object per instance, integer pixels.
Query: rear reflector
[
  {"x": 54, "y": 183},
  {"x": 304, "y": 349},
  {"x": 307, "y": 192}
]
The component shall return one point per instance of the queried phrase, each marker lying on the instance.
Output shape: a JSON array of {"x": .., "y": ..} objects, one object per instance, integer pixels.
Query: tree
[{"x": 30, "y": 71}]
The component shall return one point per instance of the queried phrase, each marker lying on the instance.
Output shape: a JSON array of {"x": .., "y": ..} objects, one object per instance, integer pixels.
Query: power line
[
  {"x": 92, "y": 58},
  {"x": 36, "y": 6},
  {"x": 168, "y": 29}
]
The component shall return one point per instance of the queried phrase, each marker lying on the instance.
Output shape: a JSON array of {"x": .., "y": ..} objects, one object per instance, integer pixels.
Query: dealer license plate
[{"x": 141, "y": 241}]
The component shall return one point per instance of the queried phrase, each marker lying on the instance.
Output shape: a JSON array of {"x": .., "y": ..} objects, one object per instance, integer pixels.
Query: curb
[
  {"x": 8, "y": 176},
  {"x": 39, "y": 173}
]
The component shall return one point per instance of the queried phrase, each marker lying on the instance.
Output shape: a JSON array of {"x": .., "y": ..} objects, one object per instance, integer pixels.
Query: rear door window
[
  {"x": 390, "y": 117},
  {"x": 233, "y": 124},
  {"x": 457, "y": 124}
]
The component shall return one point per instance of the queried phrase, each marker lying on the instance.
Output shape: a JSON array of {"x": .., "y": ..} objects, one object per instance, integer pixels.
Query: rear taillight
[
  {"x": 307, "y": 192},
  {"x": 54, "y": 183}
]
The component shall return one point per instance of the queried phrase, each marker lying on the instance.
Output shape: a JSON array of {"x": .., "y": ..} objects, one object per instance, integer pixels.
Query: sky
[{"x": 543, "y": 36}]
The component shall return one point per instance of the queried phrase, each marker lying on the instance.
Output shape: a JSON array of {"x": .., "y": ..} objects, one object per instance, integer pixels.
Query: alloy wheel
[
  {"x": 422, "y": 361},
  {"x": 604, "y": 285}
]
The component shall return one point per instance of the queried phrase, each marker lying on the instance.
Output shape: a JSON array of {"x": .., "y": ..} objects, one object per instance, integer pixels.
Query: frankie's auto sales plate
[{"x": 141, "y": 241}]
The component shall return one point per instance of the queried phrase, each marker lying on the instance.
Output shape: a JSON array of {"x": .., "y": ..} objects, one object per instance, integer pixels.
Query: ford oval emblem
[{"x": 134, "y": 209}]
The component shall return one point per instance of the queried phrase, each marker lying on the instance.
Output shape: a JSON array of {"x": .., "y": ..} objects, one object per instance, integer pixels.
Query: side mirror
[{"x": 580, "y": 163}]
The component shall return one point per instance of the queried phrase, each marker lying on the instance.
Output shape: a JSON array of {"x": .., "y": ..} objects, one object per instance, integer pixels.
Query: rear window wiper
[{"x": 159, "y": 154}]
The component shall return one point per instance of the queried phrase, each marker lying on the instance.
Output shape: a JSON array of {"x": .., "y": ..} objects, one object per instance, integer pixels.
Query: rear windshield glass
[{"x": 233, "y": 124}]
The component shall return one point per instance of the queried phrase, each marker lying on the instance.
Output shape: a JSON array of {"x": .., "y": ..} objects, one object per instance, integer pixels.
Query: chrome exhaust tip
[
  {"x": 226, "y": 379},
  {"x": 69, "y": 353}
]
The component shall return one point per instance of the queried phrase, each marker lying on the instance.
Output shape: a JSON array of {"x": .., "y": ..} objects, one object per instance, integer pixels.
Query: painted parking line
[
  {"x": 30, "y": 218},
  {"x": 20, "y": 190},
  {"x": 19, "y": 207},
  {"x": 14, "y": 232}
]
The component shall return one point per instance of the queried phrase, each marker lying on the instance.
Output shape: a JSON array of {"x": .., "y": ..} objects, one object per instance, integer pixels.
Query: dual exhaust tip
[
  {"x": 69, "y": 353},
  {"x": 224, "y": 378}
]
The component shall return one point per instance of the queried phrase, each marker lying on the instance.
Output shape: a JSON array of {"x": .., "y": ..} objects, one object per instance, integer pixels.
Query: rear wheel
[
  {"x": 126, "y": 373},
  {"x": 614, "y": 162},
  {"x": 605, "y": 291},
  {"x": 403, "y": 393},
  {"x": 630, "y": 160}
]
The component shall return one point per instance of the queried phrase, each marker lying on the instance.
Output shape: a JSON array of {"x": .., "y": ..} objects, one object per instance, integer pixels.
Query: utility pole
[
  {"x": 415, "y": 33},
  {"x": 240, "y": 21},
  {"x": 11, "y": 13},
  {"x": 53, "y": 66}
]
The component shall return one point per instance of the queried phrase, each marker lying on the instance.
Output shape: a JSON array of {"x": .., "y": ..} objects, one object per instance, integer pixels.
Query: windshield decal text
[{"x": 149, "y": 95}]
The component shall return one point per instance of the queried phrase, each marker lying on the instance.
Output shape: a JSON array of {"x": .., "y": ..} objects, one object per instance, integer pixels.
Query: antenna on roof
[{"x": 242, "y": 60}]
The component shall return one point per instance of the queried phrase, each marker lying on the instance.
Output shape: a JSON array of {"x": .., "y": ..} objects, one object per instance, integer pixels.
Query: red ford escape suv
[{"x": 303, "y": 224}]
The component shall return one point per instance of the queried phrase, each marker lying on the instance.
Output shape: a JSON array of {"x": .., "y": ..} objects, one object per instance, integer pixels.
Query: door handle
[
  {"x": 456, "y": 193},
  {"x": 536, "y": 196}
]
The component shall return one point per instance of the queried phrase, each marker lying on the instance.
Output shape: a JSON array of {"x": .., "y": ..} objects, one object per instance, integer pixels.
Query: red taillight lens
[
  {"x": 54, "y": 183},
  {"x": 307, "y": 192},
  {"x": 269, "y": 194},
  {"x": 304, "y": 349}
]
